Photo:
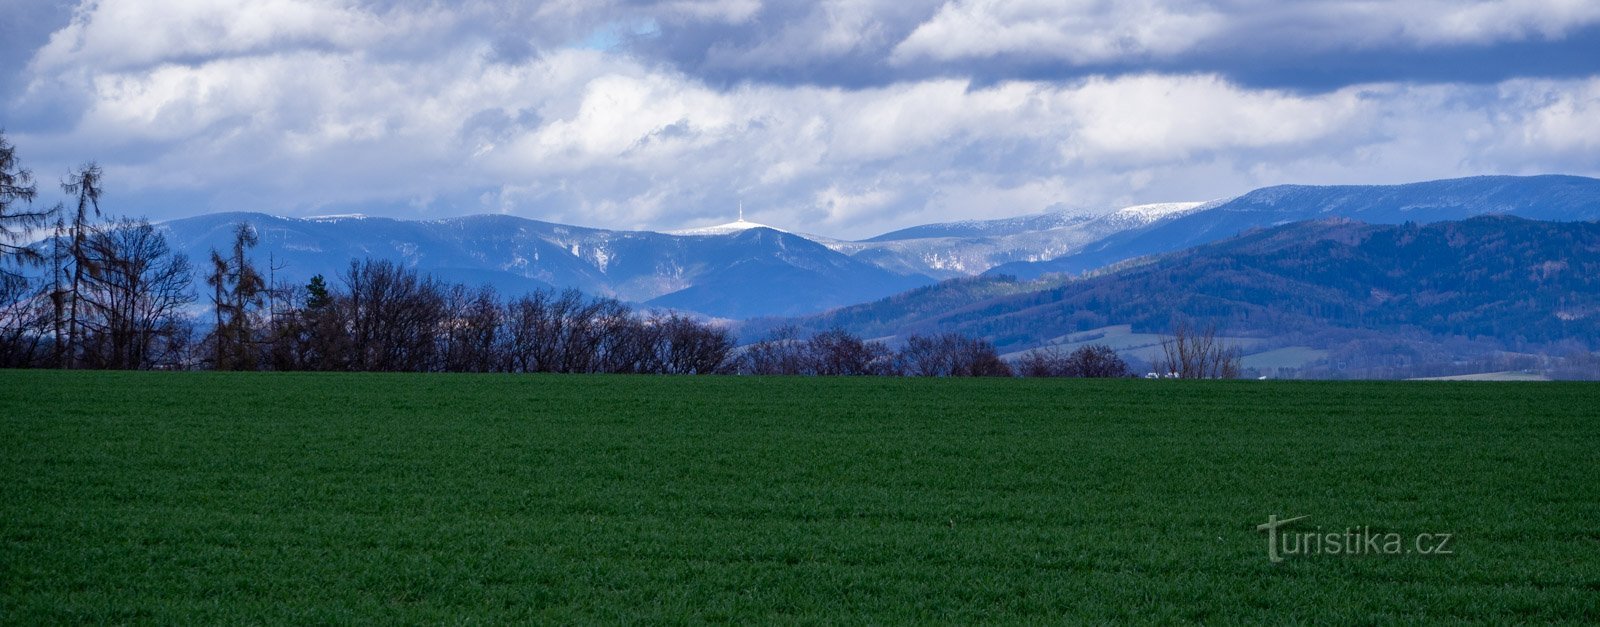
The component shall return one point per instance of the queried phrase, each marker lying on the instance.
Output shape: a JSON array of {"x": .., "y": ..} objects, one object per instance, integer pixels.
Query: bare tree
[
  {"x": 781, "y": 352},
  {"x": 1096, "y": 361},
  {"x": 838, "y": 352},
  {"x": 1192, "y": 353},
  {"x": 134, "y": 298},
  {"x": 526, "y": 319},
  {"x": 978, "y": 358},
  {"x": 636, "y": 345},
  {"x": 58, "y": 292},
  {"x": 614, "y": 331},
  {"x": 237, "y": 291},
  {"x": 472, "y": 324},
  {"x": 287, "y": 336},
  {"x": 952, "y": 355},
  {"x": 694, "y": 348},
  {"x": 393, "y": 316},
  {"x": 84, "y": 183},
  {"x": 927, "y": 356},
  {"x": 1045, "y": 361},
  {"x": 24, "y": 323}
]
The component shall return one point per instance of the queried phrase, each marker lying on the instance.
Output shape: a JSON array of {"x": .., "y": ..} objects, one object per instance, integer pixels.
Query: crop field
[
  {"x": 1287, "y": 357},
  {"x": 298, "y": 498}
]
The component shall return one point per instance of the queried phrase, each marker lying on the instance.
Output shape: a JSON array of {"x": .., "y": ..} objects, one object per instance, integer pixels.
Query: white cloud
[
  {"x": 1486, "y": 21},
  {"x": 730, "y": 11},
  {"x": 117, "y": 34},
  {"x": 1568, "y": 120},
  {"x": 1155, "y": 118},
  {"x": 606, "y": 139},
  {"x": 1080, "y": 31},
  {"x": 1097, "y": 31}
]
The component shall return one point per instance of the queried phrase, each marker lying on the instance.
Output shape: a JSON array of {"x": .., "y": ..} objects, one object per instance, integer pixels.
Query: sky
[{"x": 839, "y": 117}]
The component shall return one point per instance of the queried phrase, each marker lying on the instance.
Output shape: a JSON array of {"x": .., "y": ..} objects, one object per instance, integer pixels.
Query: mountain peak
[
  {"x": 1156, "y": 211},
  {"x": 724, "y": 229},
  {"x": 334, "y": 217}
]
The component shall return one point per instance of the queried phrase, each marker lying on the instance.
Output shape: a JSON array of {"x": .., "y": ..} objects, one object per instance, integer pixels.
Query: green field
[{"x": 211, "y": 497}]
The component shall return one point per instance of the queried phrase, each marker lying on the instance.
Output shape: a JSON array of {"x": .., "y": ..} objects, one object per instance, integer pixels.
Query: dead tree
[{"x": 84, "y": 183}]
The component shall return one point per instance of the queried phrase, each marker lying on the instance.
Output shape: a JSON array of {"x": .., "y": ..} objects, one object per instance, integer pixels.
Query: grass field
[
  {"x": 1287, "y": 357},
  {"x": 208, "y": 497}
]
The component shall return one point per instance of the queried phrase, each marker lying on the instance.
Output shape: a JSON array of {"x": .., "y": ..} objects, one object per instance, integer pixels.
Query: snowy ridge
[
  {"x": 1157, "y": 211},
  {"x": 724, "y": 229},
  {"x": 955, "y": 249},
  {"x": 744, "y": 268},
  {"x": 334, "y": 217}
]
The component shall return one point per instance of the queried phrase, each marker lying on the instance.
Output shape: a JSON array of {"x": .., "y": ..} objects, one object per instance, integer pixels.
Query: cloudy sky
[{"x": 841, "y": 117}]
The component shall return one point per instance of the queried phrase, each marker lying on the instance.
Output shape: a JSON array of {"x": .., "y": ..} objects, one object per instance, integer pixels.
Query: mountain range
[
  {"x": 1370, "y": 294},
  {"x": 739, "y": 271},
  {"x": 1549, "y": 197},
  {"x": 746, "y": 270}
]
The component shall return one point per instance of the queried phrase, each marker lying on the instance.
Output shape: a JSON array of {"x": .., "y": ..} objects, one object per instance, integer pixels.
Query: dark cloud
[
  {"x": 812, "y": 43},
  {"x": 1317, "y": 70},
  {"x": 1291, "y": 45},
  {"x": 25, "y": 25}
]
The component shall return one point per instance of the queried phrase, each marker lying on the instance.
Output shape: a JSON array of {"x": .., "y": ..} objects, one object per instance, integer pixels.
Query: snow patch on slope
[
  {"x": 1161, "y": 210},
  {"x": 725, "y": 229}
]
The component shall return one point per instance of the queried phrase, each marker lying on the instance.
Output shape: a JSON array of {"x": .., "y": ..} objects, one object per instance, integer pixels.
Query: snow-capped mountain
[
  {"x": 744, "y": 269},
  {"x": 970, "y": 247},
  {"x": 736, "y": 226},
  {"x": 739, "y": 270},
  {"x": 1550, "y": 197}
]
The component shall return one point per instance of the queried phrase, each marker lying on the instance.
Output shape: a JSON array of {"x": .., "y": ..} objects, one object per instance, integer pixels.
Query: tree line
[{"x": 114, "y": 294}]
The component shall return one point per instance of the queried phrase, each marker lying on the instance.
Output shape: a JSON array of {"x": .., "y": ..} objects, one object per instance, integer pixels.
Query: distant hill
[
  {"x": 957, "y": 249},
  {"x": 747, "y": 270},
  {"x": 760, "y": 272},
  {"x": 742, "y": 272},
  {"x": 1494, "y": 280},
  {"x": 1549, "y": 197}
]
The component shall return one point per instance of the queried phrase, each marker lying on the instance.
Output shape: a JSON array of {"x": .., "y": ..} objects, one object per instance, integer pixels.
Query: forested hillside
[{"x": 1492, "y": 282}]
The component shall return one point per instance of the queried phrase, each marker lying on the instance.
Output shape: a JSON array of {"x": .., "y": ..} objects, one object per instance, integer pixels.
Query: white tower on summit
[{"x": 723, "y": 229}]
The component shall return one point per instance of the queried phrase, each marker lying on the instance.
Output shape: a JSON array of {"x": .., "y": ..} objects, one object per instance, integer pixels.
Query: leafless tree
[
  {"x": 607, "y": 336},
  {"x": 692, "y": 347},
  {"x": 24, "y": 323},
  {"x": 952, "y": 355},
  {"x": 58, "y": 291},
  {"x": 393, "y": 316},
  {"x": 840, "y": 353},
  {"x": 83, "y": 183},
  {"x": 472, "y": 325},
  {"x": 780, "y": 353},
  {"x": 636, "y": 345},
  {"x": 237, "y": 293},
  {"x": 1045, "y": 361},
  {"x": 1096, "y": 361},
  {"x": 527, "y": 319},
  {"x": 134, "y": 298},
  {"x": 1192, "y": 353}
]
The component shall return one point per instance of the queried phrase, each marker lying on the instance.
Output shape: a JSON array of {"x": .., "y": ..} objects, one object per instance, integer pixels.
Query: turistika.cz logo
[{"x": 1351, "y": 541}]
